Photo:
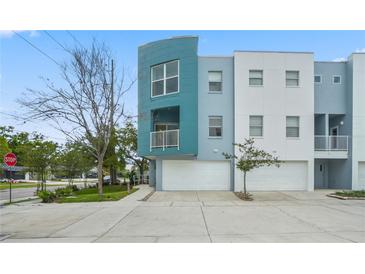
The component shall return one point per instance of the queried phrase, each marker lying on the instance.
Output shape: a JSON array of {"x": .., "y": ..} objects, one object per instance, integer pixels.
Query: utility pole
[{"x": 112, "y": 168}]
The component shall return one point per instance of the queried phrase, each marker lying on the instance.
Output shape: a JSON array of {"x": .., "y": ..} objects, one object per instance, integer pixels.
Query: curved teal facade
[{"x": 184, "y": 103}]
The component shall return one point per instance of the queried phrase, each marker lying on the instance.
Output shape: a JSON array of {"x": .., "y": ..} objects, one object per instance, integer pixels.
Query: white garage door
[
  {"x": 361, "y": 175},
  {"x": 289, "y": 176},
  {"x": 195, "y": 175}
]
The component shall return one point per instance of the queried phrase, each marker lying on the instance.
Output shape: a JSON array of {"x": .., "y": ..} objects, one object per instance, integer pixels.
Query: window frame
[
  {"x": 286, "y": 78},
  {"x": 213, "y": 91},
  {"x": 286, "y": 127},
  {"x": 166, "y": 124},
  {"x": 333, "y": 79},
  {"x": 164, "y": 79},
  {"x": 262, "y": 126},
  {"x": 262, "y": 77},
  {"x": 215, "y": 137},
  {"x": 320, "y": 76}
]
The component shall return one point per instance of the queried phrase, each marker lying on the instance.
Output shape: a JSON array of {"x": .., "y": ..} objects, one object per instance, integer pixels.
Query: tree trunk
[
  {"x": 111, "y": 172},
  {"x": 85, "y": 180},
  {"x": 100, "y": 176},
  {"x": 115, "y": 175},
  {"x": 42, "y": 178},
  {"x": 141, "y": 171},
  {"x": 129, "y": 186},
  {"x": 244, "y": 183}
]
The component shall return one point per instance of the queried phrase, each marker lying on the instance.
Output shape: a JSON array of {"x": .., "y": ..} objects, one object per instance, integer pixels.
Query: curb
[
  {"x": 345, "y": 197},
  {"x": 25, "y": 199}
]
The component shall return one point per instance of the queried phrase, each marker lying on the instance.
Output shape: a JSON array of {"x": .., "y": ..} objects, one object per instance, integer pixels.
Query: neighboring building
[{"x": 193, "y": 108}]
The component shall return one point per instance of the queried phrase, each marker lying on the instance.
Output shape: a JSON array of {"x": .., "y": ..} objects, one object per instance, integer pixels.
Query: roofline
[
  {"x": 330, "y": 62},
  {"x": 170, "y": 38},
  {"x": 268, "y": 51},
  {"x": 215, "y": 56}
]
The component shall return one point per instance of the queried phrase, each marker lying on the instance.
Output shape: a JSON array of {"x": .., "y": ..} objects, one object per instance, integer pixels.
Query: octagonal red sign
[{"x": 10, "y": 159}]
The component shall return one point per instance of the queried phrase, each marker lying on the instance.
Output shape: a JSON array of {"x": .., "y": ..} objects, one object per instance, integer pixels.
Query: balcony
[
  {"x": 330, "y": 147},
  {"x": 164, "y": 139}
]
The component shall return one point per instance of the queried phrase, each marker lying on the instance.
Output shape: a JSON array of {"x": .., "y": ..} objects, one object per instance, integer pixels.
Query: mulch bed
[{"x": 242, "y": 196}]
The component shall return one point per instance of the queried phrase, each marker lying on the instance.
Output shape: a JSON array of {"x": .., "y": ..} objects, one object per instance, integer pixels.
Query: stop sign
[{"x": 10, "y": 159}]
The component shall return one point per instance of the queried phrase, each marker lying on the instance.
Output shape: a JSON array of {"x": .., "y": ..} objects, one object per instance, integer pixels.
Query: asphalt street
[{"x": 18, "y": 193}]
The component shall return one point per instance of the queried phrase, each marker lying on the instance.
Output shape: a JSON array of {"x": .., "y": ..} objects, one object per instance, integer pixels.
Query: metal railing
[
  {"x": 331, "y": 143},
  {"x": 164, "y": 139}
]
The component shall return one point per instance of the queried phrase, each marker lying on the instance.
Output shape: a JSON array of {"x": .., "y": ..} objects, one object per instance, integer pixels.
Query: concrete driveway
[{"x": 190, "y": 217}]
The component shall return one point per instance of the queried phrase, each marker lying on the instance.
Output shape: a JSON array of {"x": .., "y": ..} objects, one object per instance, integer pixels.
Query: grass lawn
[
  {"x": 351, "y": 193},
  {"x": 111, "y": 193},
  {"x": 20, "y": 185}
]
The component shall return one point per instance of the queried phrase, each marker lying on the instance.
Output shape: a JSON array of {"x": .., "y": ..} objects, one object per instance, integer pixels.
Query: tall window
[
  {"x": 256, "y": 126},
  {"x": 256, "y": 77},
  {"x": 292, "y": 126},
  {"x": 215, "y": 126},
  {"x": 215, "y": 81},
  {"x": 292, "y": 78},
  {"x": 165, "y": 78}
]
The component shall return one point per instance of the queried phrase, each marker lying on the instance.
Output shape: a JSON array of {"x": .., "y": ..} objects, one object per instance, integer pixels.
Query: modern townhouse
[{"x": 193, "y": 108}]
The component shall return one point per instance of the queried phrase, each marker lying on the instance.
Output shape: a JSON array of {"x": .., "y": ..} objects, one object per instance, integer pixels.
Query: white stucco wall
[
  {"x": 275, "y": 101},
  {"x": 358, "y": 137}
]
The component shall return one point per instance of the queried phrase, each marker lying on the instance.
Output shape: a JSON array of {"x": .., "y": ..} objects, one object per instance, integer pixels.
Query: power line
[
  {"x": 75, "y": 39},
  {"x": 35, "y": 47},
  {"x": 54, "y": 39}
]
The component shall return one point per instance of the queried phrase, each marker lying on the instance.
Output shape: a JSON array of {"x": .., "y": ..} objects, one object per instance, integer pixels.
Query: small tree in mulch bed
[{"x": 249, "y": 158}]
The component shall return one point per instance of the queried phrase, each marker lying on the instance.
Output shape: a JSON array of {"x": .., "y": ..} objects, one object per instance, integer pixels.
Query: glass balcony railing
[
  {"x": 164, "y": 139},
  {"x": 330, "y": 143}
]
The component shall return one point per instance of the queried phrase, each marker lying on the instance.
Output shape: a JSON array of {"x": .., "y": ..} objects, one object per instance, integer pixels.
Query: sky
[{"x": 21, "y": 66}]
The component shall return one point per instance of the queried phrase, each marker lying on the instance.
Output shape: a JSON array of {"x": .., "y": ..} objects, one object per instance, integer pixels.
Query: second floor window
[
  {"x": 165, "y": 78},
  {"x": 292, "y": 126},
  {"x": 256, "y": 78},
  {"x": 256, "y": 126},
  {"x": 292, "y": 78},
  {"x": 215, "y": 126},
  {"x": 215, "y": 81}
]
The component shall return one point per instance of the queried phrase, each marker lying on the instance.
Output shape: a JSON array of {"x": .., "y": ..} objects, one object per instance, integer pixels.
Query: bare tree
[
  {"x": 249, "y": 158},
  {"x": 89, "y": 107}
]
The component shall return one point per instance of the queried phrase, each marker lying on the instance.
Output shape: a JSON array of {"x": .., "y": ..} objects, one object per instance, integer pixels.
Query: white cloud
[
  {"x": 6, "y": 33},
  {"x": 340, "y": 59},
  {"x": 34, "y": 33},
  {"x": 360, "y": 50},
  {"x": 10, "y": 33}
]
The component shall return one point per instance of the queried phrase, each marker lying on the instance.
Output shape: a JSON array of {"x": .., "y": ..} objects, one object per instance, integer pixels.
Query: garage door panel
[
  {"x": 195, "y": 175},
  {"x": 289, "y": 176}
]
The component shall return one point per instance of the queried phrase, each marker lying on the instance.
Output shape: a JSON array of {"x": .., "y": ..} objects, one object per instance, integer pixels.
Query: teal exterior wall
[{"x": 183, "y": 49}]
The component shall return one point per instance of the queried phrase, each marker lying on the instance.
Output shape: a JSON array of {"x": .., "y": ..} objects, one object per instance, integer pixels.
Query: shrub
[
  {"x": 66, "y": 191},
  {"x": 47, "y": 196},
  {"x": 73, "y": 187},
  {"x": 63, "y": 192}
]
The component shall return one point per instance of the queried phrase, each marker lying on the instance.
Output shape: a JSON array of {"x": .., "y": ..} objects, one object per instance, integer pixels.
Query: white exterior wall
[
  {"x": 358, "y": 133},
  {"x": 275, "y": 101}
]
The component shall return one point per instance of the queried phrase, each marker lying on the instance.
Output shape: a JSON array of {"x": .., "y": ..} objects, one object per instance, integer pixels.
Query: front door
[
  {"x": 334, "y": 133},
  {"x": 321, "y": 174}
]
